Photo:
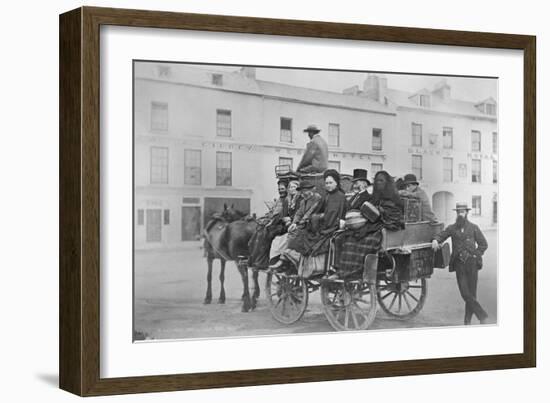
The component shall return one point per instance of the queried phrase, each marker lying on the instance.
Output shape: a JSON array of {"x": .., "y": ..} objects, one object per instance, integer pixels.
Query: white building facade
[
  {"x": 451, "y": 146},
  {"x": 203, "y": 139}
]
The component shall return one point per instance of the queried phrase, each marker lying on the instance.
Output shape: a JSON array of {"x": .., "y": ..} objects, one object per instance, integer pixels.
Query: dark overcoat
[
  {"x": 467, "y": 242},
  {"x": 315, "y": 158},
  {"x": 358, "y": 199}
]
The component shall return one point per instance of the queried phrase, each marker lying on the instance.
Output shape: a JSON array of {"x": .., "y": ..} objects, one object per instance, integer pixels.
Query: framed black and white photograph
[
  {"x": 221, "y": 155},
  {"x": 269, "y": 201}
]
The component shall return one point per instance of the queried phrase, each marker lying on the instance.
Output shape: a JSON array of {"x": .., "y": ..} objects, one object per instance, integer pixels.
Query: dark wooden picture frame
[{"x": 79, "y": 347}]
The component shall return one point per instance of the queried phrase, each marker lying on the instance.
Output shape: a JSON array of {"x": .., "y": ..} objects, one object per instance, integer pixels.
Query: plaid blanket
[{"x": 351, "y": 252}]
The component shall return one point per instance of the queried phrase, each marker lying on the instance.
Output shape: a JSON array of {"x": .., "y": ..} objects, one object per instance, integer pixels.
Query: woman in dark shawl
[
  {"x": 357, "y": 244},
  {"x": 313, "y": 239}
]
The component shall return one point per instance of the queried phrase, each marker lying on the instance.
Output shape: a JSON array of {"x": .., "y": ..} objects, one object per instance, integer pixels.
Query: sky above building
[{"x": 463, "y": 88}]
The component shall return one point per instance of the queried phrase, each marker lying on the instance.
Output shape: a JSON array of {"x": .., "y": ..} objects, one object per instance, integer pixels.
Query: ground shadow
[{"x": 50, "y": 379}]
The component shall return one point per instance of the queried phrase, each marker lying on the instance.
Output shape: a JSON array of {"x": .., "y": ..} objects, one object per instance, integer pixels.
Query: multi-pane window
[
  {"x": 286, "y": 130},
  {"x": 334, "y": 165},
  {"x": 417, "y": 166},
  {"x": 334, "y": 135},
  {"x": 192, "y": 167},
  {"x": 448, "y": 137},
  {"x": 495, "y": 143},
  {"x": 159, "y": 165},
  {"x": 425, "y": 100},
  {"x": 159, "y": 116},
  {"x": 462, "y": 170},
  {"x": 476, "y": 171},
  {"x": 286, "y": 161},
  {"x": 417, "y": 135},
  {"x": 447, "y": 169},
  {"x": 377, "y": 139},
  {"x": 223, "y": 168},
  {"x": 495, "y": 171},
  {"x": 476, "y": 205},
  {"x": 374, "y": 168},
  {"x": 223, "y": 123},
  {"x": 491, "y": 109},
  {"x": 476, "y": 140},
  {"x": 166, "y": 217}
]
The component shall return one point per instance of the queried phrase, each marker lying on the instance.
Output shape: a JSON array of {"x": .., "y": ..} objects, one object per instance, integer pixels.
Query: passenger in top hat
[
  {"x": 413, "y": 190},
  {"x": 361, "y": 184},
  {"x": 469, "y": 245},
  {"x": 315, "y": 158}
]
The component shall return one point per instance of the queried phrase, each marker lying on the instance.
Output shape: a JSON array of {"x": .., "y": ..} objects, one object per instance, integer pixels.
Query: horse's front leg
[
  {"x": 208, "y": 297},
  {"x": 243, "y": 270},
  {"x": 256, "y": 294},
  {"x": 221, "y": 299}
]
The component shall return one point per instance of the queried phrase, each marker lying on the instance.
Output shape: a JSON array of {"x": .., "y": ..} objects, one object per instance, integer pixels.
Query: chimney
[
  {"x": 375, "y": 87},
  {"x": 443, "y": 90},
  {"x": 351, "y": 90},
  {"x": 249, "y": 72}
]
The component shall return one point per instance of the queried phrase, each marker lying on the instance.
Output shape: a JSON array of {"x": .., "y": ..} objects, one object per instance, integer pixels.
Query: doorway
[
  {"x": 190, "y": 223},
  {"x": 153, "y": 225},
  {"x": 443, "y": 204}
]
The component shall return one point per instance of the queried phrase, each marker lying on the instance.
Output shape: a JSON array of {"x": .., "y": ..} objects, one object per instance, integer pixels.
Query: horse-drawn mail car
[{"x": 395, "y": 278}]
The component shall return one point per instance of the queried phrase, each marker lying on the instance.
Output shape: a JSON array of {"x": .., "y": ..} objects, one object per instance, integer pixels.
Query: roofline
[
  {"x": 433, "y": 111},
  {"x": 273, "y": 97}
]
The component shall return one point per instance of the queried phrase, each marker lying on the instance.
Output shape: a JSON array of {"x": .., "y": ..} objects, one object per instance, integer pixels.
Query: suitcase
[{"x": 442, "y": 257}]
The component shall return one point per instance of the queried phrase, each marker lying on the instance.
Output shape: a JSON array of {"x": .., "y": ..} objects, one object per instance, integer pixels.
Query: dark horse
[{"x": 226, "y": 238}]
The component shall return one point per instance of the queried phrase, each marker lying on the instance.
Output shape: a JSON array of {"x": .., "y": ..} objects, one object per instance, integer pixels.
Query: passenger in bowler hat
[
  {"x": 315, "y": 158},
  {"x": 414, "y": 191},
  {"x": 469, "y": 245},
  {"x": 361, "y": 184}
]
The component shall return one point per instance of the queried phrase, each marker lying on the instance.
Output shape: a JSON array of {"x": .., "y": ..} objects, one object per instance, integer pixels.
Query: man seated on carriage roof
[
  {"x": 315, "y": 158},
  {"x": 414, "y": 191}
]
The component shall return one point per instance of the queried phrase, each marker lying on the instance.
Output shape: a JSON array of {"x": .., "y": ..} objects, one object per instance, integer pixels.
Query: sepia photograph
[{"x": 273, "y": 201}]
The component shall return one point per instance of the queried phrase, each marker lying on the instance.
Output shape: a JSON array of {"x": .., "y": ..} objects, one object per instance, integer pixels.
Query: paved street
[{"x": 170, "y": 288}]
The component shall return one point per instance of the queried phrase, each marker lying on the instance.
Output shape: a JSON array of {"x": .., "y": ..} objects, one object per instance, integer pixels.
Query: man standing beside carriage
[{"x": 469, "y": 245}]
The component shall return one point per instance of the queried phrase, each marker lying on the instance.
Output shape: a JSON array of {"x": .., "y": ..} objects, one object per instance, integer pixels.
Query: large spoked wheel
[
  {"x": 402, "y": 299},
  {"x": 287, "y": 297},
  {"x": 349, "y": 305}
]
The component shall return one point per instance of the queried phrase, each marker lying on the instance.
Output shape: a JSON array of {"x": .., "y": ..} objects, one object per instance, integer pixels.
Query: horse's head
[
  {"x": 260, "y": 243},
  {"x": 231, "y": 214}
]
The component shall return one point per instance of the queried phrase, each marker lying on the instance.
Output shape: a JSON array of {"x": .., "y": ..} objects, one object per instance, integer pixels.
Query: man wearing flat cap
[
  {"x": 360, "y": 184},
  {"x": 315, "y": 158},
  {"x": 413, "y": 191},
  {"x": 469, "y": 245}
]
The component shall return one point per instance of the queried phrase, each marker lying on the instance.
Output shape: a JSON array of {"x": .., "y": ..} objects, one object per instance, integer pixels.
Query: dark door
[
  {"x": 190, "y": 223},
  {"x": 154, "y": 225}
]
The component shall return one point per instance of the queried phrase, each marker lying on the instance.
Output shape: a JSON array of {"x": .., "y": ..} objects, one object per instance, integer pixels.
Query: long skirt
[
  {"x": 351, "y": 252},
  {"x": 278, "y": 245}
]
